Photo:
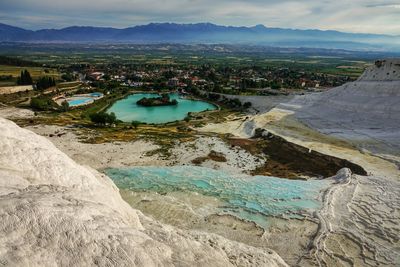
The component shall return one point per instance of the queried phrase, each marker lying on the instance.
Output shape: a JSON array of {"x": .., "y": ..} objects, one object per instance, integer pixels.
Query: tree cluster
[
  {"x": 25, "y": 78},
  {"x": 64, "y": 106},
  {"x": 12, "y": 61},
  {"x": 6, "y": 77},
  {"x": 135, "y": 124},
  {"x": 45, "y": 82},
  {"x": 103, "y": 118},
  {"x": 42, "y": 103},
  {"x": 164, "y": 100},
  {"x": 68, "y": 77}
]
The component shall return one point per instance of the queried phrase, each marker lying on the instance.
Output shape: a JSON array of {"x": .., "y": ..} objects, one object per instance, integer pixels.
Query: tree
[
  {"x": 247, "y": 105},
  {"x": 235, "y": 102},
  {"x": 42, "y": 103},
  {"x": 98, "y": 118},
  {"x": 106, "y": 77},
  {"x": 275, "y": 85},
  {"x": 103, "y": 118},
  {"x": 45, "y": 82},
  {"x": 25, "y": 78},
  {"x": 64, "y": 106},
  {"x": 111, "y": 118},
  {"x": 135, "y": 124},
  {"x": 68, "y": 77}
]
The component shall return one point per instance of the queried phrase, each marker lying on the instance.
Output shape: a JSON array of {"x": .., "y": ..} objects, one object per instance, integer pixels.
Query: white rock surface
[
  {"x": 54, "y": 212},
  {"x": 359, "y": 221},
  {"x": 383, "y": 70},
  {"x": 97, "y": 156},
  {"x": 366, "y": 111}
]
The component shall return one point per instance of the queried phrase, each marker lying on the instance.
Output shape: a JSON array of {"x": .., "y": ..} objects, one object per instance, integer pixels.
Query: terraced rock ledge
[{"x": 54, "y": 212}]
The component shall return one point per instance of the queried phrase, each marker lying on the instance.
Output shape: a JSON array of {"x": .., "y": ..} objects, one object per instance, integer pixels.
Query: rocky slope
[
  {"x": 359, "y": 222},
  {"x": 56, "y": 212},
  {"x": 365, "y": 111}
]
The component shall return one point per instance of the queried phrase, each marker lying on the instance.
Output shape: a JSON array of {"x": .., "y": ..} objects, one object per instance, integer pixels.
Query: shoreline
[{"x": 217, "y": 106}]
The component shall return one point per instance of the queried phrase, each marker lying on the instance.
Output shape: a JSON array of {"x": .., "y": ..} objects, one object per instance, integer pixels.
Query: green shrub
[
  {"x": 275, "y": 86},
  {"x": 247, "y": 105},
  {"x": 44, "y": 83},
  {"x": 68, "y": 77},
  {"x": 103, "y": 118},
  {"x": 64, "y": 106},
  {"x": 42, "y": 103},
  {"x": 135, "y": 124}
]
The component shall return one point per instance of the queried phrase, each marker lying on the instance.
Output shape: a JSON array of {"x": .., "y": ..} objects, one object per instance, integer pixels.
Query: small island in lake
[{"x": 163, "y": 100}]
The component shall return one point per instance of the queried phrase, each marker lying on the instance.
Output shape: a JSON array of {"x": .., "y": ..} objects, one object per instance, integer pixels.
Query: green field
[
  {"x": 301, "y": 59},
  {"x": 35, "y": 72}
]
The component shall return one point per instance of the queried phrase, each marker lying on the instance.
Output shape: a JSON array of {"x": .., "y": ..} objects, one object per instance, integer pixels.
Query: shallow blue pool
[
  {"x": 243, "y": 195},
  {"x": 127, "y": 110},
  {"x": 96, "y": 94},
  {"x": 79, "y": 101}
]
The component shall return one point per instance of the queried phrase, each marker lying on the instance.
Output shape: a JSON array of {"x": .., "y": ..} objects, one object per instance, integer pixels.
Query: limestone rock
[
  {"x": 54, "y": 212},
  {"x": 366, "y": 111}
]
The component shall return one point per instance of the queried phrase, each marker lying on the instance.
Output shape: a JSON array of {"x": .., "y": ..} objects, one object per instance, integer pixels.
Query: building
[
  {"x": 96, "y": 75},
  {"x": 173, "y": 82}
]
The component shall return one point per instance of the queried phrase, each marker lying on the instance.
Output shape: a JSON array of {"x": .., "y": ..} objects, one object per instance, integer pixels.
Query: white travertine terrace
[
  {"x": 54, "y": 212},
  {"x": 359, "y": 224},
  {"x": 365, "y": 111}
]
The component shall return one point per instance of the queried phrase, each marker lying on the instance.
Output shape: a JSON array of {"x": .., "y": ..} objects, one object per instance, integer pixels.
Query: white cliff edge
[
  {"x": 366, "y": 111},
  {"x": 54, "y": 212}
]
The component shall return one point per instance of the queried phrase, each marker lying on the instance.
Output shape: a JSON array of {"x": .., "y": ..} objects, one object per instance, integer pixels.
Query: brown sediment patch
[
  {"x": 213, "y": 155},
  {"x": 249, "y": 145},
  {"x": 288, "y": 160}
]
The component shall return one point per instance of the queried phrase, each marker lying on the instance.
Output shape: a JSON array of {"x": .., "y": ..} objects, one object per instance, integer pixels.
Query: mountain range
[{"x": 204, "y": 33}]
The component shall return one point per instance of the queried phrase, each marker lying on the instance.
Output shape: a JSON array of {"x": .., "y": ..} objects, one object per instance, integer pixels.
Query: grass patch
[{"x": 35, "y": 72}]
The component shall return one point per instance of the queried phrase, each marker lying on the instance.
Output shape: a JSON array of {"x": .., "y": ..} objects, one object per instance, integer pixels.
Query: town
[{"x": 71, "y": 80}]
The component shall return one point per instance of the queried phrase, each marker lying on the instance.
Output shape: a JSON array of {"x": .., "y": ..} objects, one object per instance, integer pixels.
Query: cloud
[{"x": 370, "y": 16}]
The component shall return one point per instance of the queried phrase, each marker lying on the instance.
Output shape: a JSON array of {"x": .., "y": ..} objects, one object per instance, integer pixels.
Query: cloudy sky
[{"x": 367, "y": 16}]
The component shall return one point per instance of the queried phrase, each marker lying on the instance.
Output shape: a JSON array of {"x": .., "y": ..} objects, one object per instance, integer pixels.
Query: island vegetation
[{"x": 163, "y": 100}]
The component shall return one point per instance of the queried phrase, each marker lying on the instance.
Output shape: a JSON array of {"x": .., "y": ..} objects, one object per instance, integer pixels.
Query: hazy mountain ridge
[{"x": 205, "y": 33}]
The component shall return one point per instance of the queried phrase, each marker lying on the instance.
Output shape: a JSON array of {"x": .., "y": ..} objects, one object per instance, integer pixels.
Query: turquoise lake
[
  {"x": 243, "y": 195},
  {"x": 127, "y": 110}
]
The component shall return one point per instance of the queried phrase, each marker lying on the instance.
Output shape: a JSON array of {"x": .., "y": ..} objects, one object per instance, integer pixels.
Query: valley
[{"x": 281, "y": 159}]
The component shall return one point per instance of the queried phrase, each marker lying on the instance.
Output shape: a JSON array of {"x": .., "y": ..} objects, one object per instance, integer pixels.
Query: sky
[{"x": 364, "y": 16}]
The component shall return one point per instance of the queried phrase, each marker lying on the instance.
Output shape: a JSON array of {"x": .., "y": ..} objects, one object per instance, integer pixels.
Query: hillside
[
  {"x": 205, "y": 33},
  {"x": 54, "y": 212},
  {"x": 366, "y": 111}
]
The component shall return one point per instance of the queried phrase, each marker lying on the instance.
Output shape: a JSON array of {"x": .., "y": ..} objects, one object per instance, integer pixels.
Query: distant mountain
[
  {"x": 11, "y": 33},
  {"x": 205, "y": 33}
]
